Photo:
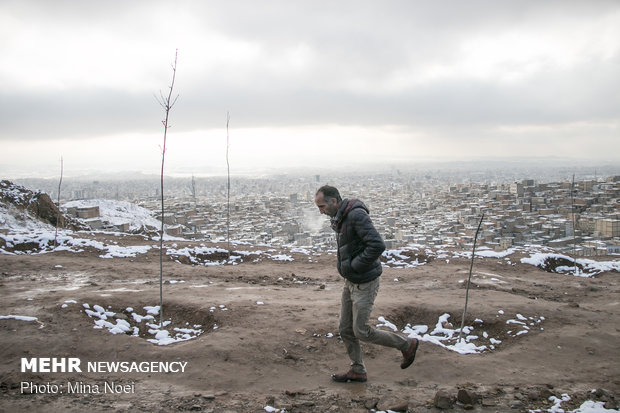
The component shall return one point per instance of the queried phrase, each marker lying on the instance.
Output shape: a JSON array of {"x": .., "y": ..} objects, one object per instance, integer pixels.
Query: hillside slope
[
  {"x": 260, "y": 334},
  {"x": 257, "y": 331}
]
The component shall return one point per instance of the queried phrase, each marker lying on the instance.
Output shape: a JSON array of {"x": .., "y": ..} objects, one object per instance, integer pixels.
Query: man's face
[{"x": 329, "y": 208}]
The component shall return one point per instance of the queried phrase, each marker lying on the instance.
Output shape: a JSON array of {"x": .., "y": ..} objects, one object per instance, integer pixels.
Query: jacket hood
[{"x": 347, "y": 206}]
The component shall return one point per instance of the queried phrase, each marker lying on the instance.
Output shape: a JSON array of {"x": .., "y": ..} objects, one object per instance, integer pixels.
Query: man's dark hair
[{"x": 329, "y": 192}]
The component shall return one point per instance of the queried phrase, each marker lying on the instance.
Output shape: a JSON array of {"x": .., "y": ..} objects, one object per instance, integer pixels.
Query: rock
[
  {"x": 44, "y": 208},
  {"x": 536, "y": 393},
  {"x": 371, "y": 404},
  {"x": 606, "y": 397},
  {"x": 289, "y": 356},
  {"x": 121, "y": 316},
  {"x": 533, "y": 395},
  {"x": 516, "y": 404},
  {"x": 305, "y": 403},
  {"x": 465, "y": 397},
  {"x": 392, "y": 403},
  {"x": 184, "y": 259},
  {"x": 545, "y": 394},
  {"x": 602, "y": 393},
  {"x": 294, "y": 393},
  {"x": 443, "y": 400}
]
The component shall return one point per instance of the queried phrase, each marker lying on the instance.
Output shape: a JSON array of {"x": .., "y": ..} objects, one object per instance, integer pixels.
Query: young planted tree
[
  {"x": 166, "y": 102},
  {"x": 194, "y": 192},
  {"x": 58, "y": 205},
  {"x": 574, "y": 224},
  {"x": 471, "y": 267},
  {"x": 228, "y": 185}
]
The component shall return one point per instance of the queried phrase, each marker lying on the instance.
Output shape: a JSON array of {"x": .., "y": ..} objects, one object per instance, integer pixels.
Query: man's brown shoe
[
  {"x": 349, "y": 376},
  {"x": 409, "y": 354}
]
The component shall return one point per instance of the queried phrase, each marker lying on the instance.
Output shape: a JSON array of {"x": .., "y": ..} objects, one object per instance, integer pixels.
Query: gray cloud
[{"x": 324, "y": 62}]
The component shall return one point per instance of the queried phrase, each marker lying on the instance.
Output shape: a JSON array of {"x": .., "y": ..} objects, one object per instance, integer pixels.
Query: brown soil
[{"x": 278, "y": 353}]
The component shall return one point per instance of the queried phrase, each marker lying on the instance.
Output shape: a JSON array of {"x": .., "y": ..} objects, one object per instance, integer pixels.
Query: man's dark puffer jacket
[{"x": 359, "y": 243}]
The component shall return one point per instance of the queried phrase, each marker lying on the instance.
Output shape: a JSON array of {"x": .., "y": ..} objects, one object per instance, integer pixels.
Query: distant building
[
  {"x": 88, "y": 212},
  {"x": 122, "y": 227},
  {"x": 174, "y": 230},
  {"x": 608, "y": 227},
  {"x": 613, "y": 249},
  {"x": 516, "y": 188},
  {"x": 505, "y": 243},
  {"x": 94, "y": 223}
]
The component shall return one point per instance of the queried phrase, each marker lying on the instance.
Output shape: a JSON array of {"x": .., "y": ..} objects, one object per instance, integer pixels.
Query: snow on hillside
[
  {"x": 119, "y": 212},
  {"x": 22, "y": 233},
  {"x": 584, "y": 267},
  {"x": 18, "y": 227},
  {"x": 13, "y": 219}
]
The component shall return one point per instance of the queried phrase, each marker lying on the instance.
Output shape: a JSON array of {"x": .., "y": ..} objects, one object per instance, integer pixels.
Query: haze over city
[{"x": 307, "y": 84}]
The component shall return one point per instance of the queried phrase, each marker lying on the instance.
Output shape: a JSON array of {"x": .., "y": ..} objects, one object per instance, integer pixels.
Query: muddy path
[{"x": 269, "y": 336}]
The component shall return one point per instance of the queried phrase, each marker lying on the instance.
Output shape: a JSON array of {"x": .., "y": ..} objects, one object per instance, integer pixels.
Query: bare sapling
[
  {"x": 228, "y": 185},
  {"x": 471, "y": 266},
  {"x": 573, "y": 221},
  {"x": 194, "y": 193},
  {"x": 58, "y": 205},
  {"x": 166, "y": 102}
]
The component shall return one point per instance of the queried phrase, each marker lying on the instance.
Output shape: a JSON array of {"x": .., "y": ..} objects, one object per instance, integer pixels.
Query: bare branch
[{"x": 174, "y": 101}]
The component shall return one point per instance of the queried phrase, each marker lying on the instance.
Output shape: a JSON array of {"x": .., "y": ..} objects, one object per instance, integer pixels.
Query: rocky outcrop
[{"x": 37, "y": 204}]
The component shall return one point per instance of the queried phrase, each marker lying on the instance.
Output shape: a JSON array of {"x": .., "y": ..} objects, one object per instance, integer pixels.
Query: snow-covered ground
[
  {"x": 474, "y": 339},
  {"x": 20, "y": 228},
  {"x": 157, "y": 333},
  {"x": 589, "y": 406},
  {"x": 118, "y": 212},
  {"x": 17, "y": 227}
]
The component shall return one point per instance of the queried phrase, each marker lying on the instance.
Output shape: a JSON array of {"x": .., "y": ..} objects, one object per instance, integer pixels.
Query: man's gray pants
[{"x": 356, "y": 305}]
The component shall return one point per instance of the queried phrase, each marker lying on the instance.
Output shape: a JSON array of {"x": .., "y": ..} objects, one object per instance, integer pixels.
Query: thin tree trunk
[
  {"x": 194, "y": 193},
  {"x": 572, "y": 208},
  {"x": 167, "y": 103},
  {"x": 58, "y": 204},
  {"x": 228, "y": 185},
  {"x": 471, "y": 266}
]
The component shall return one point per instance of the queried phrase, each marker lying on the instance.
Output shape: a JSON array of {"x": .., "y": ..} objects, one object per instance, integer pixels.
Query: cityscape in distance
[{"x": 571, "y": 209}]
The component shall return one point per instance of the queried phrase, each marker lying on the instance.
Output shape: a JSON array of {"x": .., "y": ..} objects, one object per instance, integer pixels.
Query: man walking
[{"x": 359, "y": 249}]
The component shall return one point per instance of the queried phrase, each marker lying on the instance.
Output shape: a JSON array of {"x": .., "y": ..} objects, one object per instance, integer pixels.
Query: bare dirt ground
[{"x": 278, "y": 353}]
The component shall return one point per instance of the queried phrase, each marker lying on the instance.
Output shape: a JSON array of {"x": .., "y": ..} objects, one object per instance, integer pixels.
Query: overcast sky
[{"x": 306, "y": 83}]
